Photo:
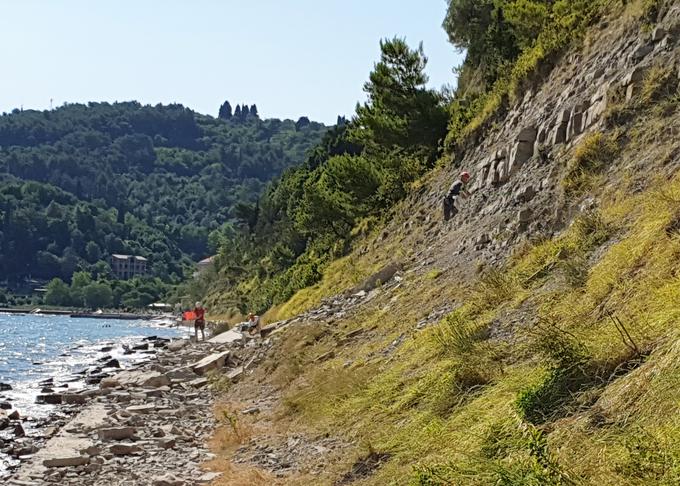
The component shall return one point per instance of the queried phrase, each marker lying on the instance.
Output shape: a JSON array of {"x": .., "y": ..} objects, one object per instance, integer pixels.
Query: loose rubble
[{"x": 146, "y": 425}]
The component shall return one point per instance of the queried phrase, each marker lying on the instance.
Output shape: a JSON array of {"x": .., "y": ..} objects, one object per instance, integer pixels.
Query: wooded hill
[{"x": 80, "y": 182}]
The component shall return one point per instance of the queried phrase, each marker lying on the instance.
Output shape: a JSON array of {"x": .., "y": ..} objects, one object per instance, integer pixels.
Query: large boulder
[
  {"x": 228, "y": 337},
  {"x": 143, "y": 379},
  {"x": 211, "y": 362}
]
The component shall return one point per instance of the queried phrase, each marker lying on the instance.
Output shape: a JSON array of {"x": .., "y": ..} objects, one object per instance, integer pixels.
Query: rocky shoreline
[{"x": 145, "y": 425}]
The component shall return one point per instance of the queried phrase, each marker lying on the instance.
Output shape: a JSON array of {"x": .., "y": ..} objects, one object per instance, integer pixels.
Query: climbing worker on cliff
[
  {"x": 456, "y": 189},
  {"x": 199, "y": 321}
]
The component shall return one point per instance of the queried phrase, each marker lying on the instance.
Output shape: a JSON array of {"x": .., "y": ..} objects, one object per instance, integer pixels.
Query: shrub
[
  {"x": 566, "y": 375},
  {"x": 458, "y": 332}
]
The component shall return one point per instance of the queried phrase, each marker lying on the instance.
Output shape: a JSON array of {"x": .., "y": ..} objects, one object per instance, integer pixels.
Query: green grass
[
  {"x": 594, "y": 154},
  {"x": 453, "y": 407}
]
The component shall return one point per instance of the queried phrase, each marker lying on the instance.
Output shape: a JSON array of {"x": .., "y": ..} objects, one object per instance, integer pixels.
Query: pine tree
[
  {"x": 253, "y": 111},
  {"x": 225, "y": 111},
  {"x": 245, "y": 111},
  {"x": 302, "y": 122},
  {"x": 237, "y": 112}
]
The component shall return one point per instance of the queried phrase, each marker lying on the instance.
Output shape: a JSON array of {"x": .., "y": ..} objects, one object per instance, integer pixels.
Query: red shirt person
[{"x": 199, "y": 322}]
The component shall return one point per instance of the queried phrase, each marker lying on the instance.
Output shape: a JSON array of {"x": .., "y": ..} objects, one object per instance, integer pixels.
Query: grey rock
[
  {"x": 141, "y": 409},
  {"x": 124, "y": 449},
  {"x": 525, "y": 215},
  {"x": 211, "y": 362},
  {"x": 92, "y": 451},
  {"x": 167, "y": 480},
  {"x": 575, "y": 126},
  {"x": 503, "y": 172},
  {"x": 520, "y": 154},
  {"x": 208, "y": 477},
  {"x": 74, "y": 398},
  {"x": 167, "y": 442},
  {"x": 184, "y": 373},
  {"x": 235, "y": 374},
  {"x": 112, "y": 363},
  {"x": 382, "y": 276},
  {"x": 641, "y": 52},
  {"x": 636, "y": 75},
  {"x": 527, "y": 134},
  {"x": 66, "y": 461},
  {"x": 527, "y": 193},
  {"x": 177, "y": 344},
  {"x": 51, "y": 399},
  {"x": 116, "y": 433},
  {"x": 198, "y": 382},
  {"x": 658, "y": 34}
]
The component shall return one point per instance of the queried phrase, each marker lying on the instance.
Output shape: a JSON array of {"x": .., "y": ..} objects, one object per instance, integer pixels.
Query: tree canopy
[
  {"x": 81, "y": 182},
  {"x": 360, "y": 168}
]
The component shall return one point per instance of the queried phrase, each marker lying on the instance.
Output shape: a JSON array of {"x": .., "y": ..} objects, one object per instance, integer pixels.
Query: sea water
[{"x": 34, "y": 348}]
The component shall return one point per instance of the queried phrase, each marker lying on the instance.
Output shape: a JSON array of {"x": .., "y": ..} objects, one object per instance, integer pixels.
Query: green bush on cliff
[{"x": 360, "y": 169}]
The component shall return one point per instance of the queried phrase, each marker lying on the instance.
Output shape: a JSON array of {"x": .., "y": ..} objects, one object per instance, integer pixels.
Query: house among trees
[
  {"x": 204, "y": 265},
  {"x": 128, "y": 266}
]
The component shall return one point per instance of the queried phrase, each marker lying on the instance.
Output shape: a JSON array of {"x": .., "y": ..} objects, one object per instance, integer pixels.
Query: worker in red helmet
[{"x": 457, "y": 189}]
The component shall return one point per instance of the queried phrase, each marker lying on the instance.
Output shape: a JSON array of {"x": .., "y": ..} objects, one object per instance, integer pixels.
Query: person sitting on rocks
[
  {"x": 199, "y": 321},
  {"x": 456, "y": 189},
  {"x": 252, "y": 324}
]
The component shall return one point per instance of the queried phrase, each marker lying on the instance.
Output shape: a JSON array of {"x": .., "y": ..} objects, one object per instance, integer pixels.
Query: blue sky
[{"x": 291, "y": 58}]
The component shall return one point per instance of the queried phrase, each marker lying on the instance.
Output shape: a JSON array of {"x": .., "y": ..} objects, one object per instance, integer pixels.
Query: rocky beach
[{"x": 147, "y": 424}]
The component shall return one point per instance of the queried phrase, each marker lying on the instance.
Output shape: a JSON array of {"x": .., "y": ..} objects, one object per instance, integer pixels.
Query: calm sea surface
[{"x": 34, "y": 348}]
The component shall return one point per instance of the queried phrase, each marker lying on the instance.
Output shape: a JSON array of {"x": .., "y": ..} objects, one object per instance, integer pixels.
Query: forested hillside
[
  {"x": 360, "y": 169},
  {"x": 532, "y": 339},
  {"x": 80, "y": 182},
  {"x": 315, "y": 212}
]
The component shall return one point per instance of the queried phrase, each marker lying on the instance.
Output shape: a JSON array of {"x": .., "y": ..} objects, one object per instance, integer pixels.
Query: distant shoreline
[{"x": 82, "y": 314}]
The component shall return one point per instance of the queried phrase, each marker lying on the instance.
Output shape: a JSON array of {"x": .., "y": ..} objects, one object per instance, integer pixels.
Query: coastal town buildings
[{"x": 128, "y": 266}]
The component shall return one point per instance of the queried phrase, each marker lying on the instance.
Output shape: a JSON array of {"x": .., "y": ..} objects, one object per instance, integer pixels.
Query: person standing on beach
[{"x": 199, "y": 321}]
